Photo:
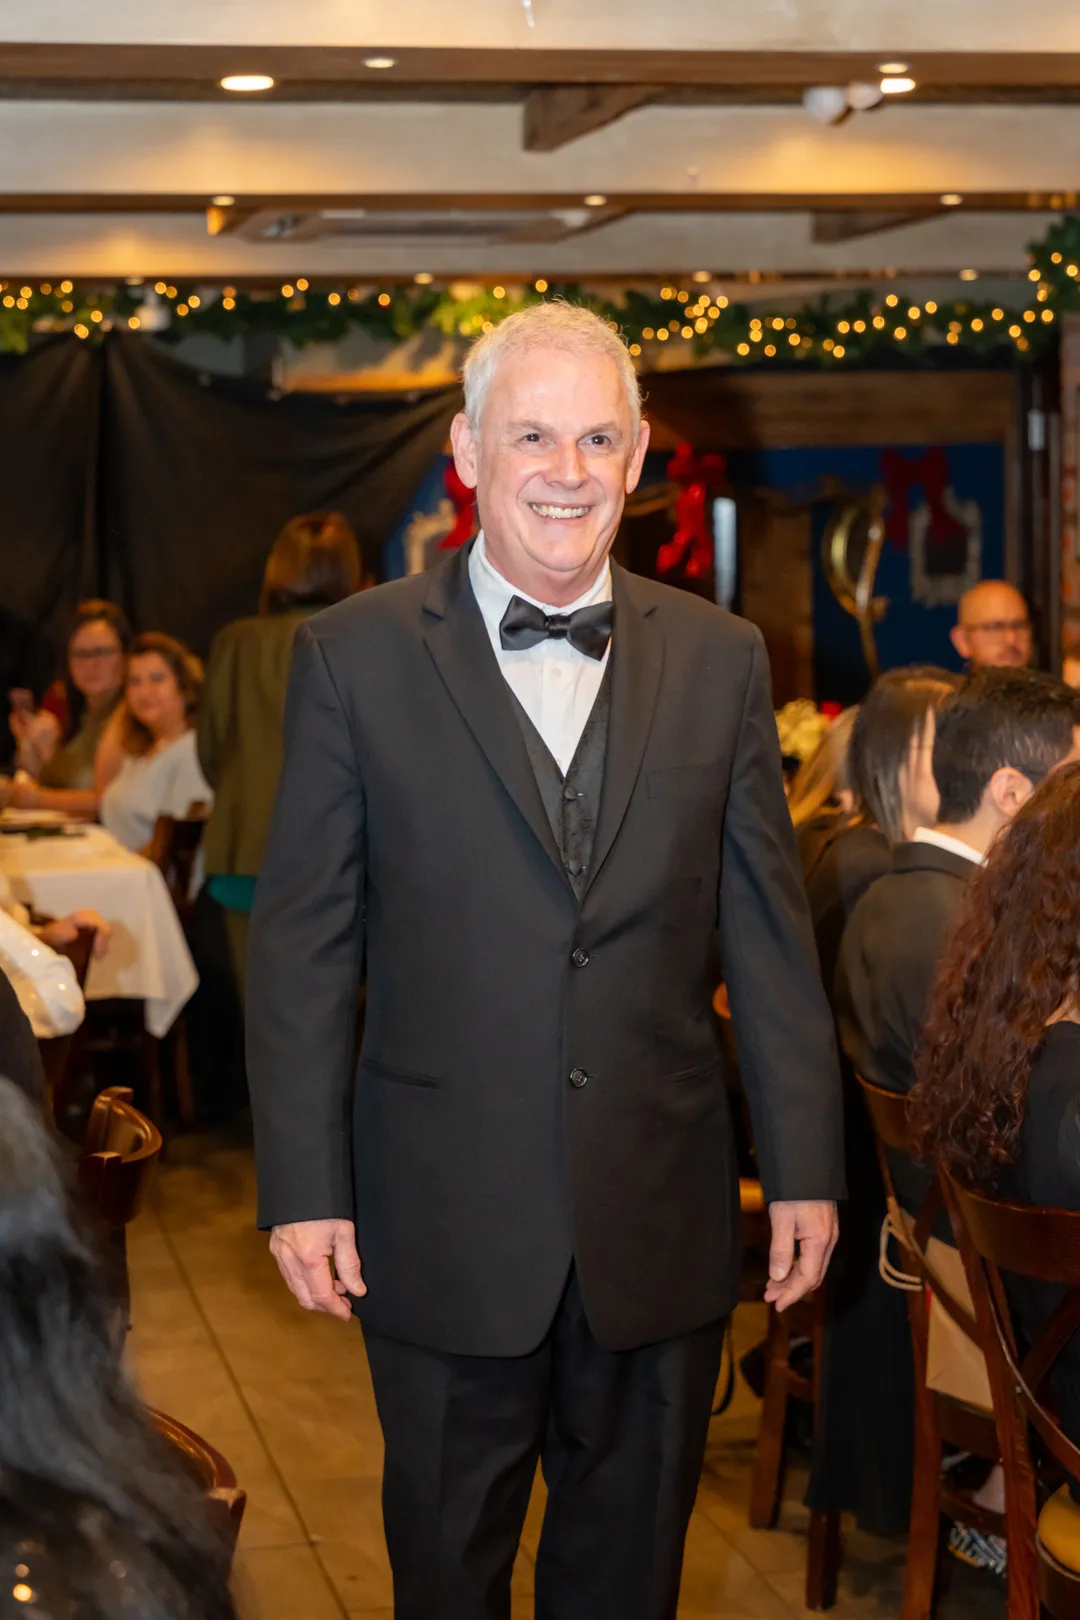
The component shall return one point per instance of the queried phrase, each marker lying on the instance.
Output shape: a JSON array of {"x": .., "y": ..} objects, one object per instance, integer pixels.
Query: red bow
[
  {"x": 692, "y": 539},
  {"x": 899, "y": 474},
  {"x": 464, "y": 500}
]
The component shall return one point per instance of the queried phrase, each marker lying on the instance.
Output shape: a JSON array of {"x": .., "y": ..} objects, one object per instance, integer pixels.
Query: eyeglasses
[
  {"x": 92, "y": 655},
  {"x": 1001, "y": 627}
]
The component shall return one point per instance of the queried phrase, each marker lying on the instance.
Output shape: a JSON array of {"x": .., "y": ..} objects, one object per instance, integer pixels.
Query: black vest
[{"x": 572, "y": 802}]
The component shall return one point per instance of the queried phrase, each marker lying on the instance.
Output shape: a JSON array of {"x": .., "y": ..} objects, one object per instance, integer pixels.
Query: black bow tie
[{"x": 525, "y": 625}]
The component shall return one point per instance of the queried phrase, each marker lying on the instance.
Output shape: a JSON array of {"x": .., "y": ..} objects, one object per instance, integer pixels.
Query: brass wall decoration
[{"x": 851, "y": 551}]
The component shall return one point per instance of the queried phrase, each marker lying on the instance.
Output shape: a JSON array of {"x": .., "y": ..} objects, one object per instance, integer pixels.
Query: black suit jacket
[
  {"x": 889, "y": 956},
  {"x": 540, "y": 1082}
]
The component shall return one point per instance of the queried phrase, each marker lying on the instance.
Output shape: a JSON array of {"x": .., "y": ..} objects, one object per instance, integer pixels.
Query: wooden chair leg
[
  {"x": 822, "y": 1560},
  {"x": 152, "y": 1071},
  {"x": 768, "y": 1472},
  {"x": 185, "y": 1097},
  {"x": 924, "y": 1532}
]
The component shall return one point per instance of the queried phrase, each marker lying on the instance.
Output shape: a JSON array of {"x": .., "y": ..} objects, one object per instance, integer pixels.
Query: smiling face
[
  {"x": 554, "y": 458},
  {"x": 154, "y": 696}
]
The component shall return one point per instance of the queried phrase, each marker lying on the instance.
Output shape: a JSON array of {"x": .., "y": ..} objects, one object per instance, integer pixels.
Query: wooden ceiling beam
[
  {"x": 555, "y": 115},
  {"x": 892, "y": 208},
  {"x": 846, "y": 225},
  {"x": 432, "y": 65}
]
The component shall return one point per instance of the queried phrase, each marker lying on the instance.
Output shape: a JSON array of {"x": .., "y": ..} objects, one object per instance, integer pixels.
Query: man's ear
[
  {"x": 637, "y": 459},
  {"x": 1009, "y": 789},
  {"x": 464, "y": 444},
  {"x": 961, "y": 641}
]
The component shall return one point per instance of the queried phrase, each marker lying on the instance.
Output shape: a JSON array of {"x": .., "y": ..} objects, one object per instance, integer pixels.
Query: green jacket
[{"x": 240, "y": 735}]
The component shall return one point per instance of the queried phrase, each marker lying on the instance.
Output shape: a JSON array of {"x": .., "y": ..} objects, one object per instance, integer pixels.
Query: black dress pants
[{"x": 620, "y": 1435}]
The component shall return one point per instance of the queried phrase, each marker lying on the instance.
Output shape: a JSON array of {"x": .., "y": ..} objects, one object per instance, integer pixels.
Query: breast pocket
[{"x": 682, "y": 781}]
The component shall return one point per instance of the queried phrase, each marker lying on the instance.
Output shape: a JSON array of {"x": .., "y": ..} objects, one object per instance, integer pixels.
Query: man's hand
[
  {"x": 303, "y": 1251},
  {"x": 813, "y": 1226}
]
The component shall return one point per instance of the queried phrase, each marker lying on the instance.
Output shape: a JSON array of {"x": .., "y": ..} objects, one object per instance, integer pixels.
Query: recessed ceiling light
[
  {"x": 969, "y": 275},
  {"x": 595, "y": 199},
  {"x": 222, "y": 201},
  {"x": 896, "y": 85},
  {"x": 892, "y": 69},
  {"x": 701, "y": 275},
  {"x": 951, "y": 199},
  {"x": 246, "y": 82},
  {"x": 423, "y": 278},
  {"x": 379, "y": 61}
]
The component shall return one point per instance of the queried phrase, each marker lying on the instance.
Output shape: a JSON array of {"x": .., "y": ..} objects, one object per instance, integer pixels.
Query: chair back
[
  {"x": 892, "y": 1129},
  {"x": 174, "y": 849},
  {"x": 56, "y": 1049},
  {"x": 1043, "y": 1245},
  {"x": 224, "y": 1496},
  {"x": 120, "y": 1149}
]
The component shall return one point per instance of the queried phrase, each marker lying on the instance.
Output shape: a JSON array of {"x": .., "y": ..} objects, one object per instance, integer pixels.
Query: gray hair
[{"x": 553, "y": 325}]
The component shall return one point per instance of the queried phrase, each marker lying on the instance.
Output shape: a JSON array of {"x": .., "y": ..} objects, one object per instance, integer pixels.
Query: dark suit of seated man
[{"x": 996, "y": 740}]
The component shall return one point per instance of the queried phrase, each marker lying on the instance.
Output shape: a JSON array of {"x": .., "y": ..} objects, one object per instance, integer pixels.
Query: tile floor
[{"x": 219, "y": 1344}]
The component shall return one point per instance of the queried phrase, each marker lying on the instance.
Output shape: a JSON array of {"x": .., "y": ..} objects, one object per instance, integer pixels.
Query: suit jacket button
[
  {"x": 575, "y": 868},
  {"x": 580, "y": 957},
  {"x": 578, "y": 1078}
]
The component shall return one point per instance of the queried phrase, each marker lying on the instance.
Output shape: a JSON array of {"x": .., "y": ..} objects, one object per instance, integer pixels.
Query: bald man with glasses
[{"x": 993, "y": 627}]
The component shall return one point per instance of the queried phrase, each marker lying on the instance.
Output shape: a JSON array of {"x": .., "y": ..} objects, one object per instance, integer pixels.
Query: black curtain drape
[
  {"x": 49, "y": 409},
  {"x": 128, "y": 474}
]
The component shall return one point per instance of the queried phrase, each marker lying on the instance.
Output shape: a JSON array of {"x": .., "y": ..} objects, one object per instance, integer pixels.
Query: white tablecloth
[{"x": 148, "y": 957}]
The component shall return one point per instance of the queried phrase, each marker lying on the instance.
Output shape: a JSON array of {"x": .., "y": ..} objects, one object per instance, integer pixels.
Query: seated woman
[
  {"x": 65, "y": 764},
  {"x": 997, "y": 1101},
  {"x": 159, "y": 773},
  {"x": 98, "y": 1516},
  {"x": 41, "y": 977}
]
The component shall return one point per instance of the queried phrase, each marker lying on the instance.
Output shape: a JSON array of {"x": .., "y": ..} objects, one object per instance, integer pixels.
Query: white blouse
[
  {"x": 164, "y": 783},
  {"x": 43, "y": 980}
]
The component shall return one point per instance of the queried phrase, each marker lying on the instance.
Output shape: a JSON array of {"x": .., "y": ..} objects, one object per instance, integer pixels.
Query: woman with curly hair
[{"x": 997, "y": 1103}]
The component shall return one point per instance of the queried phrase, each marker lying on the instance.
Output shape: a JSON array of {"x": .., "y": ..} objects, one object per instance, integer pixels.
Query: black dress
[
  {"x": 1047, "y": 1172},
  {"x": 864, "y": 1439}
]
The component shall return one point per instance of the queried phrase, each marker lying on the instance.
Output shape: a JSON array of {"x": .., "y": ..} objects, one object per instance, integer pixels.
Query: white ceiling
[{"x": 773, "y": 25}]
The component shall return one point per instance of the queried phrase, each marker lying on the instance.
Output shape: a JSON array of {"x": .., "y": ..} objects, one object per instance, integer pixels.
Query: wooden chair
[
  {"x": 1044, "y": 1521},
  {"x": 117, "y": 1160},
  {"x": 939, "y": 1418},
  {"x": 215, "y": 1475},
  {"x": 174, "y": 849},
  {"x": 58, "y": 1052},
  {"x": 783, "y": 1384}
]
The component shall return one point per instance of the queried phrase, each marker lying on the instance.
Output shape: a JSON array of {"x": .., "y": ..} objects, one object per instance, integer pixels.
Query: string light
[
  {"x": 228, "y": 303},
  {"x": 701, "y": 325},
  {"x": 335, "y": 299},
  {"x": 1014, "y": 331},
  {"x": 838, "y": 351},
  {"x": 1055, "y": 258},
  {"x": 743, "y": 348},
  {"x": 286, "y": 291},
  {"x": 498, "y": 292},
  {"x": 914, "y": 312},
  {"x": 892, "y": 300},
  {"x": 96, "y": 315},
  {"x": 647, "y": 332},
  {"x": 1034, "y": 275},
  {"x": 794, "y": 339},
  {"x": 879, "y": 323},
  {"x": 384, "y": 299},
  {"x": 134, "y": 322},
  {"x": 931, "y": 307},
  {"x": 301, "y": 285},
  {"x": 900, "y": 333},
  {"x": 65, "y": 287},
  {"x": 540, "y": 284},
  {"x": 682, "y": 295},
  {"x": 635, "y": 348},
  {"x": 687, "y": 331},
  {"x": 662, "y": 334},
  {"x": 194, "y": 301},
  {"x": 976, "y": 325},
  {"x": 770, "y": 349},
  {"x": 82, "y": 331},
  {"x": 1029, "y": 314},
  {"x": 1047, "y": 315}
]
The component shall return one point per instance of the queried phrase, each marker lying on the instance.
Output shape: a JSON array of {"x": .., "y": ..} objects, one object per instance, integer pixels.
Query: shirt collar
[
  {"x": 493, "y": 592},
  {"x": 955, "y": 846}
]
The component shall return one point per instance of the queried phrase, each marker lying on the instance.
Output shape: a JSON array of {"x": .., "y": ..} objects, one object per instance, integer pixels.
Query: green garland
[{"x": 834, "y": 330}]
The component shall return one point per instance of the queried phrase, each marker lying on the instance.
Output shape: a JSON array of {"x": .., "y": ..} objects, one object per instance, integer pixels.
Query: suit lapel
[
  {"x": 457, "y": 639},
  {"x": 637, "y": 661}
]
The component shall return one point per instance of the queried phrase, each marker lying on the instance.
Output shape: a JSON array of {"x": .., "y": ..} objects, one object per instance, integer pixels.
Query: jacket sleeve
[
  {"x": 216, "y": 695},
  {"x": 781, "y": 1021},
  {"x": 305, "y": 957}
]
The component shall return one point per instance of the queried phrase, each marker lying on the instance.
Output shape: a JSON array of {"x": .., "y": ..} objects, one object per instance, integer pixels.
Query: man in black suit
[
  {"x": 531, "y": 788},
  {"x": 995, "y": 741}
]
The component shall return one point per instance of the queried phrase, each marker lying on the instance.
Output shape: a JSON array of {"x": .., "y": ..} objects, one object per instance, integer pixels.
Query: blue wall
[{"x": 910, "y": 632}]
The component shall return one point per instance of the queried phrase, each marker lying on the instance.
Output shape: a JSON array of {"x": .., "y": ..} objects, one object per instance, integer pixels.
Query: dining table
[{"x": 62, "y": 867}]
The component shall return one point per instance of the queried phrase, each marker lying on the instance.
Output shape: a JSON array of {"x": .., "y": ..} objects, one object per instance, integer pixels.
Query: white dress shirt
[
  {"x": 43, "y": 980},
  {"x": 555, "y": 684},
  {"x": 930, "y": 835}
]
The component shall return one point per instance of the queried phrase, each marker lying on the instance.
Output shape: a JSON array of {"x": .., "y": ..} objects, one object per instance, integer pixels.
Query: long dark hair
[
  {"x": 83, "y": 1477},
  {"x": 94, "y": 610},
  {"x": 1011, "y": 964},
  {"x": 891, "y": 714}
]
